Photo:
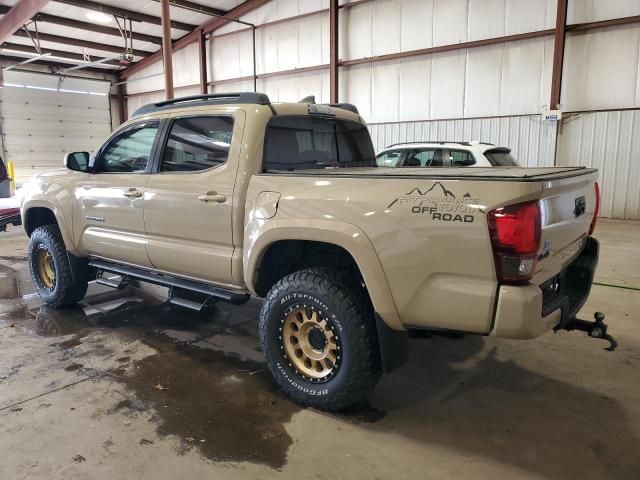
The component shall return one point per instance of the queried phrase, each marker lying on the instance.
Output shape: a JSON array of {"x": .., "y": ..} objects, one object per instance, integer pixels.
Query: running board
[{"x": 219, "y": 293}]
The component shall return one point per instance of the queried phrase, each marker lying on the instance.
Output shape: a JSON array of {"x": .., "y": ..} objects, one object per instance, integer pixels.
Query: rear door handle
[
  {"x": 212, "y": 197},
  {"x": 132, "y": 193}
]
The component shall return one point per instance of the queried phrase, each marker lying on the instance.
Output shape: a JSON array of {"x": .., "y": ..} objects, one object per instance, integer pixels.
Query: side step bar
[{"x": 220, "y": 293}]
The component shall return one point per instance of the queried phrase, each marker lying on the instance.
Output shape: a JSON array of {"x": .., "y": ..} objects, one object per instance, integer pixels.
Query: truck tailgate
[{"x": 567, "y": 207}]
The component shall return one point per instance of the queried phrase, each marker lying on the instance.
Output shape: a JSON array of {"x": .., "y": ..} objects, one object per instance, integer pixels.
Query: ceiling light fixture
[{"x": 99, "y": 17}]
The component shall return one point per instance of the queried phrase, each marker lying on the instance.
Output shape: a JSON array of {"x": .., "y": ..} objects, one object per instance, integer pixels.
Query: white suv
[{"x": 446, "y": 154}]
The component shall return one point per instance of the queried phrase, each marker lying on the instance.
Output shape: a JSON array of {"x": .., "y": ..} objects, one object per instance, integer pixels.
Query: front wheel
[
  {"x": 50, "y": 269},
  {"x": 317, "y": 333}
]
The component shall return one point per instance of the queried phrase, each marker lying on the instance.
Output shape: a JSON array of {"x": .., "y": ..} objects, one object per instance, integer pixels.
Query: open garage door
[{"x": 43, "y": 120}]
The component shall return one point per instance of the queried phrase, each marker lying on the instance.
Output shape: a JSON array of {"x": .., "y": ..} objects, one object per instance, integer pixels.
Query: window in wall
[{"x": 197, "y": 143}]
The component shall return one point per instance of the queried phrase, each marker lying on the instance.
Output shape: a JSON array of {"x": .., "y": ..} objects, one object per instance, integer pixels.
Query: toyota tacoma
[{"x": 223, "y": 197}]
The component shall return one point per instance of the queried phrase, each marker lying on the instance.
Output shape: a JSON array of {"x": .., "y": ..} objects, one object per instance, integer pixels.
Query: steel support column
[
  {"x": 167, "y": 50},
  {"x": 122, "y": 105},
  {"x": 558, "y": 54},
  {"x": 333, "y": 51},
  {"x": 202, "y": 56}
]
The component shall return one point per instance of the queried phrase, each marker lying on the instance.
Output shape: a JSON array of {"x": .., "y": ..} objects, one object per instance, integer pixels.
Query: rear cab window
[
  {"x": 300, "y": 142},
  {"x": 501, "y": 157}
]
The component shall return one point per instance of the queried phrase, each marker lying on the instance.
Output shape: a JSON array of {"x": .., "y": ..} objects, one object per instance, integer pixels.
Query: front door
[
  {"x": 108, "y": 219},
  {"x": 188, "y": 203}
]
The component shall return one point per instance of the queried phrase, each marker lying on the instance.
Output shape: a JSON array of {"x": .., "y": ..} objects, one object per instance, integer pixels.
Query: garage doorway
[{"x": 43, "y": 119}]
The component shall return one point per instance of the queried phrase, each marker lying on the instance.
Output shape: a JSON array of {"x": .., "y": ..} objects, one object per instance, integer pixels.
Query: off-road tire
[
  {"x": 66, "y": 290},
  {"x": 341, "y": 300}
]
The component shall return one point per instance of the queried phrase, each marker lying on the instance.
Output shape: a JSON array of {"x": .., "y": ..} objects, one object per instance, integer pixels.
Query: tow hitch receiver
[{"x": 596, "y": 329}]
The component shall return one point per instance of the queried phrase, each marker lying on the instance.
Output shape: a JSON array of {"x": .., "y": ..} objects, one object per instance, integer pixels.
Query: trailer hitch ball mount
[{"x": 596, "y": 329}]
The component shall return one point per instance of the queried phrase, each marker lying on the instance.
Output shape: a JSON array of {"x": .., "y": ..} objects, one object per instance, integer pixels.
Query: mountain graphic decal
[{"x": 417, "y": 191}]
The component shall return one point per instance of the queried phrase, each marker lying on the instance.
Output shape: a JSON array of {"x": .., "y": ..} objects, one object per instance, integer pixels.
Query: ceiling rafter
[
  {"x": 76, "y": 42},
  {"x": 196, "y": 7},
  {"x": 124, "y": 13},
  {"x": 16, "y": 16},
  {"x": 90, "y": 27}
]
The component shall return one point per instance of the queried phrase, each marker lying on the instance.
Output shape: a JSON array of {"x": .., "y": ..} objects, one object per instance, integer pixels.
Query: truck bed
[{"x": 518, "y": 174}]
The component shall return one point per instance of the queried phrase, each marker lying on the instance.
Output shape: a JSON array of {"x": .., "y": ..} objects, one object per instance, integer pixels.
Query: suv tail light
[
  {"x": 515, "y": 237},
  {"x": 597, "y": 209}
]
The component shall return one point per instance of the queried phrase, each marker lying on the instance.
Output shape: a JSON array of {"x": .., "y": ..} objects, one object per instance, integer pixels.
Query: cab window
[
  {"x": 461, "y": 158},
  {"x": 197, "y": 143},
  {"x": 129, "y": 151}
]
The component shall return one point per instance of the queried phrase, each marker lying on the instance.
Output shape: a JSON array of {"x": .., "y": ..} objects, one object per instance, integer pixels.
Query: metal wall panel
[
  {"x": 609, "y": 141},
  {"x": 531, "y": 139},
  {"x": 503, "y": 79},
  {"x": 601, "y": 69},
  {"x": 582, "y": 11}
]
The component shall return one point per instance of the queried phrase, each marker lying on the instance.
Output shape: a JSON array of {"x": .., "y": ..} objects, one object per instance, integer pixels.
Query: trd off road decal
[{"x": 440, "y": 204}]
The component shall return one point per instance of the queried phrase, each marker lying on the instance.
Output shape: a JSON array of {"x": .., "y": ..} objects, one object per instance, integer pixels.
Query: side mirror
[{"x": 77, "y": 161}]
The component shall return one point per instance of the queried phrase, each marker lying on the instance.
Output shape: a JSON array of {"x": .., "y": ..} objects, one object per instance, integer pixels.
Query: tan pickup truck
[{"x": 221, "y": 197}]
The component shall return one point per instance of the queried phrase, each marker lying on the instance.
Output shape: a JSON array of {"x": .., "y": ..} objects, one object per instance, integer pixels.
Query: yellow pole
[{"x": 12, "y": 176}]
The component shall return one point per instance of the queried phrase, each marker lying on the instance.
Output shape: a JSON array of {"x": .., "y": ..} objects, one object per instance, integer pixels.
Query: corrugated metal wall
[
  {"x": 610, "y": 142},
  {"x": 414, "y": 98},
  {"x": 531, "y": 139}
]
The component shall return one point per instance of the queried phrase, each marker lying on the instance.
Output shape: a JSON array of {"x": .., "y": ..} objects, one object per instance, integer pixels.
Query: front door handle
[
  {"x": 212, "y": 197},
  {"x": 132, "y": 193}
]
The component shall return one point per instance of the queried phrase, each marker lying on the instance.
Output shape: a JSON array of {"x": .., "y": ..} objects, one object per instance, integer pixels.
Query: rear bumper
[{"x": 529, "y": 311}]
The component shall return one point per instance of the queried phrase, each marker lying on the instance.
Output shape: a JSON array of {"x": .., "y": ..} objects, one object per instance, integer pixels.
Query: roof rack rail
[
  {"x": 344, "y": 106},
  {"x": 201, "y": 100},
  {"x": 440, "y": 142}
]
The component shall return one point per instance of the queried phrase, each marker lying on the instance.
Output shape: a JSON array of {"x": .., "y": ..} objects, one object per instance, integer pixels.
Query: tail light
[
  {"x": 597, "y": 209},
  {"x": 515, "y": 237}
]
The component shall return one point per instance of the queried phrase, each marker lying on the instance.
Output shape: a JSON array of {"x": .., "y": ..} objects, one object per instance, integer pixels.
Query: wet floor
[
  {"x": 206, "y": 383},
  {"x": 126, "y": 386}
]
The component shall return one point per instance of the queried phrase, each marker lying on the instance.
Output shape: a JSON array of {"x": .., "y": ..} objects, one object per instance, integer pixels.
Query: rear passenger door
[
  {"x": 188, "y": 207},
  {"x": 425, "y": 157},
  {"x": 461, "y": 158}
]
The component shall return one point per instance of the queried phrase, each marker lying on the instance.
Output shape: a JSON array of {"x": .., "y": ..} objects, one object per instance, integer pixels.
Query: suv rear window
[
  {"x": 501, "y": 157},
  {"x": 306, "y": 142}
]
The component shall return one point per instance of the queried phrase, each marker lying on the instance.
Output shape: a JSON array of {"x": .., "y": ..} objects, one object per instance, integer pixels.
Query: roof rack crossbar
[{"x": 200, "y": 100}]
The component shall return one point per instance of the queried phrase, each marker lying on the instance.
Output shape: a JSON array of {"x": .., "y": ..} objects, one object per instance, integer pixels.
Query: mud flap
[{"x": 393, "y": 346}]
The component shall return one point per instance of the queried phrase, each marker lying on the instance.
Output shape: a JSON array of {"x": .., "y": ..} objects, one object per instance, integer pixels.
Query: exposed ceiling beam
[
  {"x": 207, "y": 27},
  {"x": 196, "y": 7},
  {"x": 18, "y": 15},
  {"x": 234, "y": 14},
  {"x": 76, "y": 42},
  {"x": 121, "y": 12},
  {"x": 91, "y": 27},
  {"x": 52, "y": 63},
  {"x": 73, "y": 57}
]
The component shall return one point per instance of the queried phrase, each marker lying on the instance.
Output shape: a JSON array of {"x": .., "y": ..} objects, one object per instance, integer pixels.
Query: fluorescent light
[{"x": 99, "y": 17}]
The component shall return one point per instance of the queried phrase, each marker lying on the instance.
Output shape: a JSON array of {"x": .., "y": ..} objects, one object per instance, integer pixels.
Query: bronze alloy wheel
[
  {"x": 46, "y": 268},
  {"x": 310, "y": 343}
]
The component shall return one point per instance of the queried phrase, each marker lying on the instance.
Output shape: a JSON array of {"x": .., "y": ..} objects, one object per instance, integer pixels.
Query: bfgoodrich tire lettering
[
  {"x": 63, "y": 290},
  {"x": 344, "y": 310}
]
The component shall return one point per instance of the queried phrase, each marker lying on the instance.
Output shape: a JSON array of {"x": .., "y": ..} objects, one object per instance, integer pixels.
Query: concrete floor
[{"x": 125, "y": 387}]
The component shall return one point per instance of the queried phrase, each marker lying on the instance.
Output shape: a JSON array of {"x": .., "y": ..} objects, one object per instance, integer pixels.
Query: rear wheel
[
  {"x": 50, "y": 269},
  {"x": 318, "y": 335}
]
